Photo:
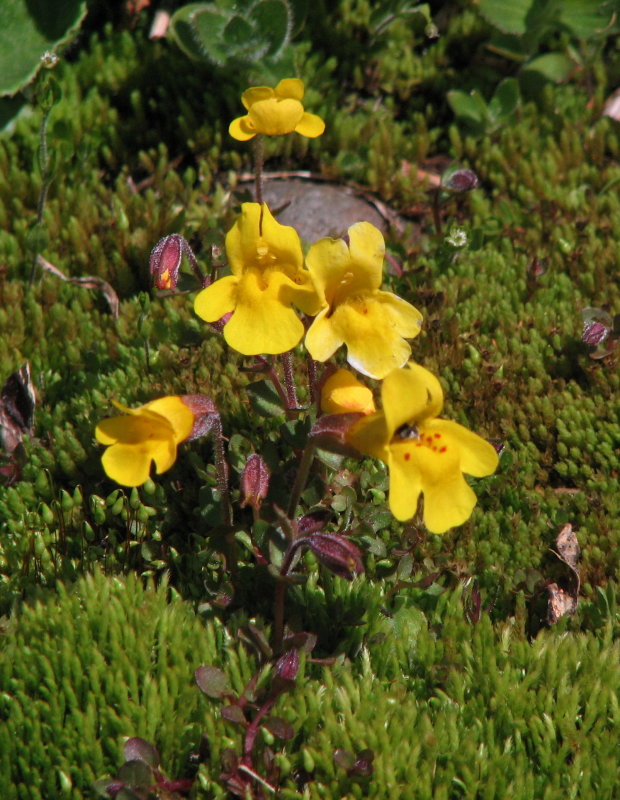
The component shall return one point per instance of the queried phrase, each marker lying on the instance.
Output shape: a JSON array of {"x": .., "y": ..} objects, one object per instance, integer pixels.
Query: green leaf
[
  {"x": 510, "y": 16},
  {"x": 469, "y": 108},
  {"x": 554, "y": 67},
  {"x": 273, "y": 21},
  {"x": 27, "y": 31},
  {"x": 585, "y": 18},
  {"x": 264, "y": 399},
  {"x": 505, "y": 100},
  {"x": 198, "y": 30}
]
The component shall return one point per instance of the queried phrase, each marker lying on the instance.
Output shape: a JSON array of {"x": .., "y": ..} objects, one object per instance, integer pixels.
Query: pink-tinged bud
[
  {"x": 166, "y": 261},
  {"x": 330, "y": 433},
  {"x": 254, "y": 482},
  {"x": 287, "y": 666},
  {"x": 313, "y": 521},
  {"x": 594, "y": 332},
  {"x": 205, "y": 413},
  {"x": 336, "y": 553},
  {"x": 461, "y": 180}
]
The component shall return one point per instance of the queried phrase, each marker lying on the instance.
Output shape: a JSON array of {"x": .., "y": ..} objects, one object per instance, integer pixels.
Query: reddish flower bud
[
  {"x": 330, "y": 433},
  {"x": 337, "y": 553},
  {"x": 254, "y": 481},
  {"x": 461, "y": 180},
  {"x": 166, "y": 261},
  {"x": 287, "y": 665},
  {"x": 205, "y": 413},
  {"x": 594, "y": 332}
]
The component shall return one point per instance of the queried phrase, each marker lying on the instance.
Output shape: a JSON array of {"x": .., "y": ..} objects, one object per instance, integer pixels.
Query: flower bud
[
  {"x": 254, "y": 481},
  {"x": 287, "y": 665},
  {"x": 336, "y": 553},
  {"x": 343, "y": 393},
  {"x": 165, "y": 261},
  {"x": 330, "y": 433},
  {"x": 461, "y": 180},
  {"x": 204, "y": 411}
]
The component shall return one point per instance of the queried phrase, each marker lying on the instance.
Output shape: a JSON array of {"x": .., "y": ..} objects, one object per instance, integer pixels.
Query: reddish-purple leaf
[
  {"x": 279, "y": 727},
  {"x": 137, "y": 749},
  {"x": 212, "y": 681},
  {"x": 233, "y": 713}
]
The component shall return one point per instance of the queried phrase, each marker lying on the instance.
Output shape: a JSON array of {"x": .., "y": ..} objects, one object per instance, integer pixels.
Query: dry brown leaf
[
  {"x": 86, "y": 282},
  {"x": 560, "y": 603},
  {"x": 568, "y": 547}
]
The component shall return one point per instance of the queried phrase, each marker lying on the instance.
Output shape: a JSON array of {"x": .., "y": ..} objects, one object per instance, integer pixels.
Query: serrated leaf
[
  {"x": 272, "y": 21},
  {"x": 27, "y": 31},
  {"x": 197, "y": 29},
  {"x": 585, "y": 18},
  {"x": 510, "y": 16}
]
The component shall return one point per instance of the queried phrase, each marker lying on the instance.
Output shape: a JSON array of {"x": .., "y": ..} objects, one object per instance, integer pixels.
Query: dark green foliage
[{"x": 448, "y": 708}]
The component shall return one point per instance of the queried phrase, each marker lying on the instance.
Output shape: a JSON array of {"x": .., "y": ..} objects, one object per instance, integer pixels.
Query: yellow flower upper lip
[
  {"x": 268, "y": 279},
  {"x": 275, "y": 111},
  {"x": 425, "y": 455},
  {"x": 145, "y": 434},
  {"x": 373, "y": 324}
]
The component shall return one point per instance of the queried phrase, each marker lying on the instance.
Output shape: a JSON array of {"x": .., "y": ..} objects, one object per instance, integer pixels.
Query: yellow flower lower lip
[{"x": 426, "y": 455}]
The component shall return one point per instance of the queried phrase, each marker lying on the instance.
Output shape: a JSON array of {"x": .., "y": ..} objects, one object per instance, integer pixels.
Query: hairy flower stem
[
  {"x": 224, "y": 490},
  {"x": 278, "y": 616},
  {"x": 313, "y": 384},
  {"x": 259, "y": 160},
  {"x": 289, "y": 381}
]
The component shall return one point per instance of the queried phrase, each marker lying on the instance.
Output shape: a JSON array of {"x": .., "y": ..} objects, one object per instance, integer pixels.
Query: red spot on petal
[
  {"x": 437, "y": 435},
  {"x": 443, "y": 449},
  {"x": 407, "y": 456}
]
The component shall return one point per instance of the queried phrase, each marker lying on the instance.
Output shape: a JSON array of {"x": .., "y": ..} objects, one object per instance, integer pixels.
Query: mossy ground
[{"x": 451, "y": 709}]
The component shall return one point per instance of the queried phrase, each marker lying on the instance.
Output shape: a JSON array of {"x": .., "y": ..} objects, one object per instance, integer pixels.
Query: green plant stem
[
  {"x": 301, "y": 478},
  {"x": 46, "y": 182},
  {"x": 259, "y": 159},
  {"x": 436, "y": 214}
]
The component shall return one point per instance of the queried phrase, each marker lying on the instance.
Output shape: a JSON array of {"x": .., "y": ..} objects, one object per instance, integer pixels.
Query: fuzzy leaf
[
  {"x": 27, "y": 31},
  {"x": 279, "y": 727},
  {"x": 234, "y": 714},
  {"x": 505, "y": 100},
  {"x": 137, "y": 749},
  {"x": 136, "y": 773},
  {"x": 212, "y": 681}
]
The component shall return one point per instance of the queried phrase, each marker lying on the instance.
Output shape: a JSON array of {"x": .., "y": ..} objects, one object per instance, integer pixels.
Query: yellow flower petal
[
  {"x": 367, "y": 249},
  {"x": 370, "y": 436},
  {"x": 342, "y": 393},
  {"x": 127, "y": 464},
  {"x": 372, "y": 326},
  {"x": 218, "y": 299},
  {"x": 322, "y": 340},
  {"x": 174, "y": 410},
  {"x": 290, "y": 87},
  {"x": 283, "y": 243},
  {"x": 310, "y": 125},
  {"x": 410, "y": 395},
  {"x": 405, "y": 487},
  {"x": 263, "y": 320},
  {"x": 477, "y": 456},
  {"x": 448, "y": 503},
  {"x": 328, "y": 262},
  {"x": 274, "y": 117},
  {"x": 241, "y": 129},
  {"x": 255, "y": 94},
  {"x": 132, "y": 429}
]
